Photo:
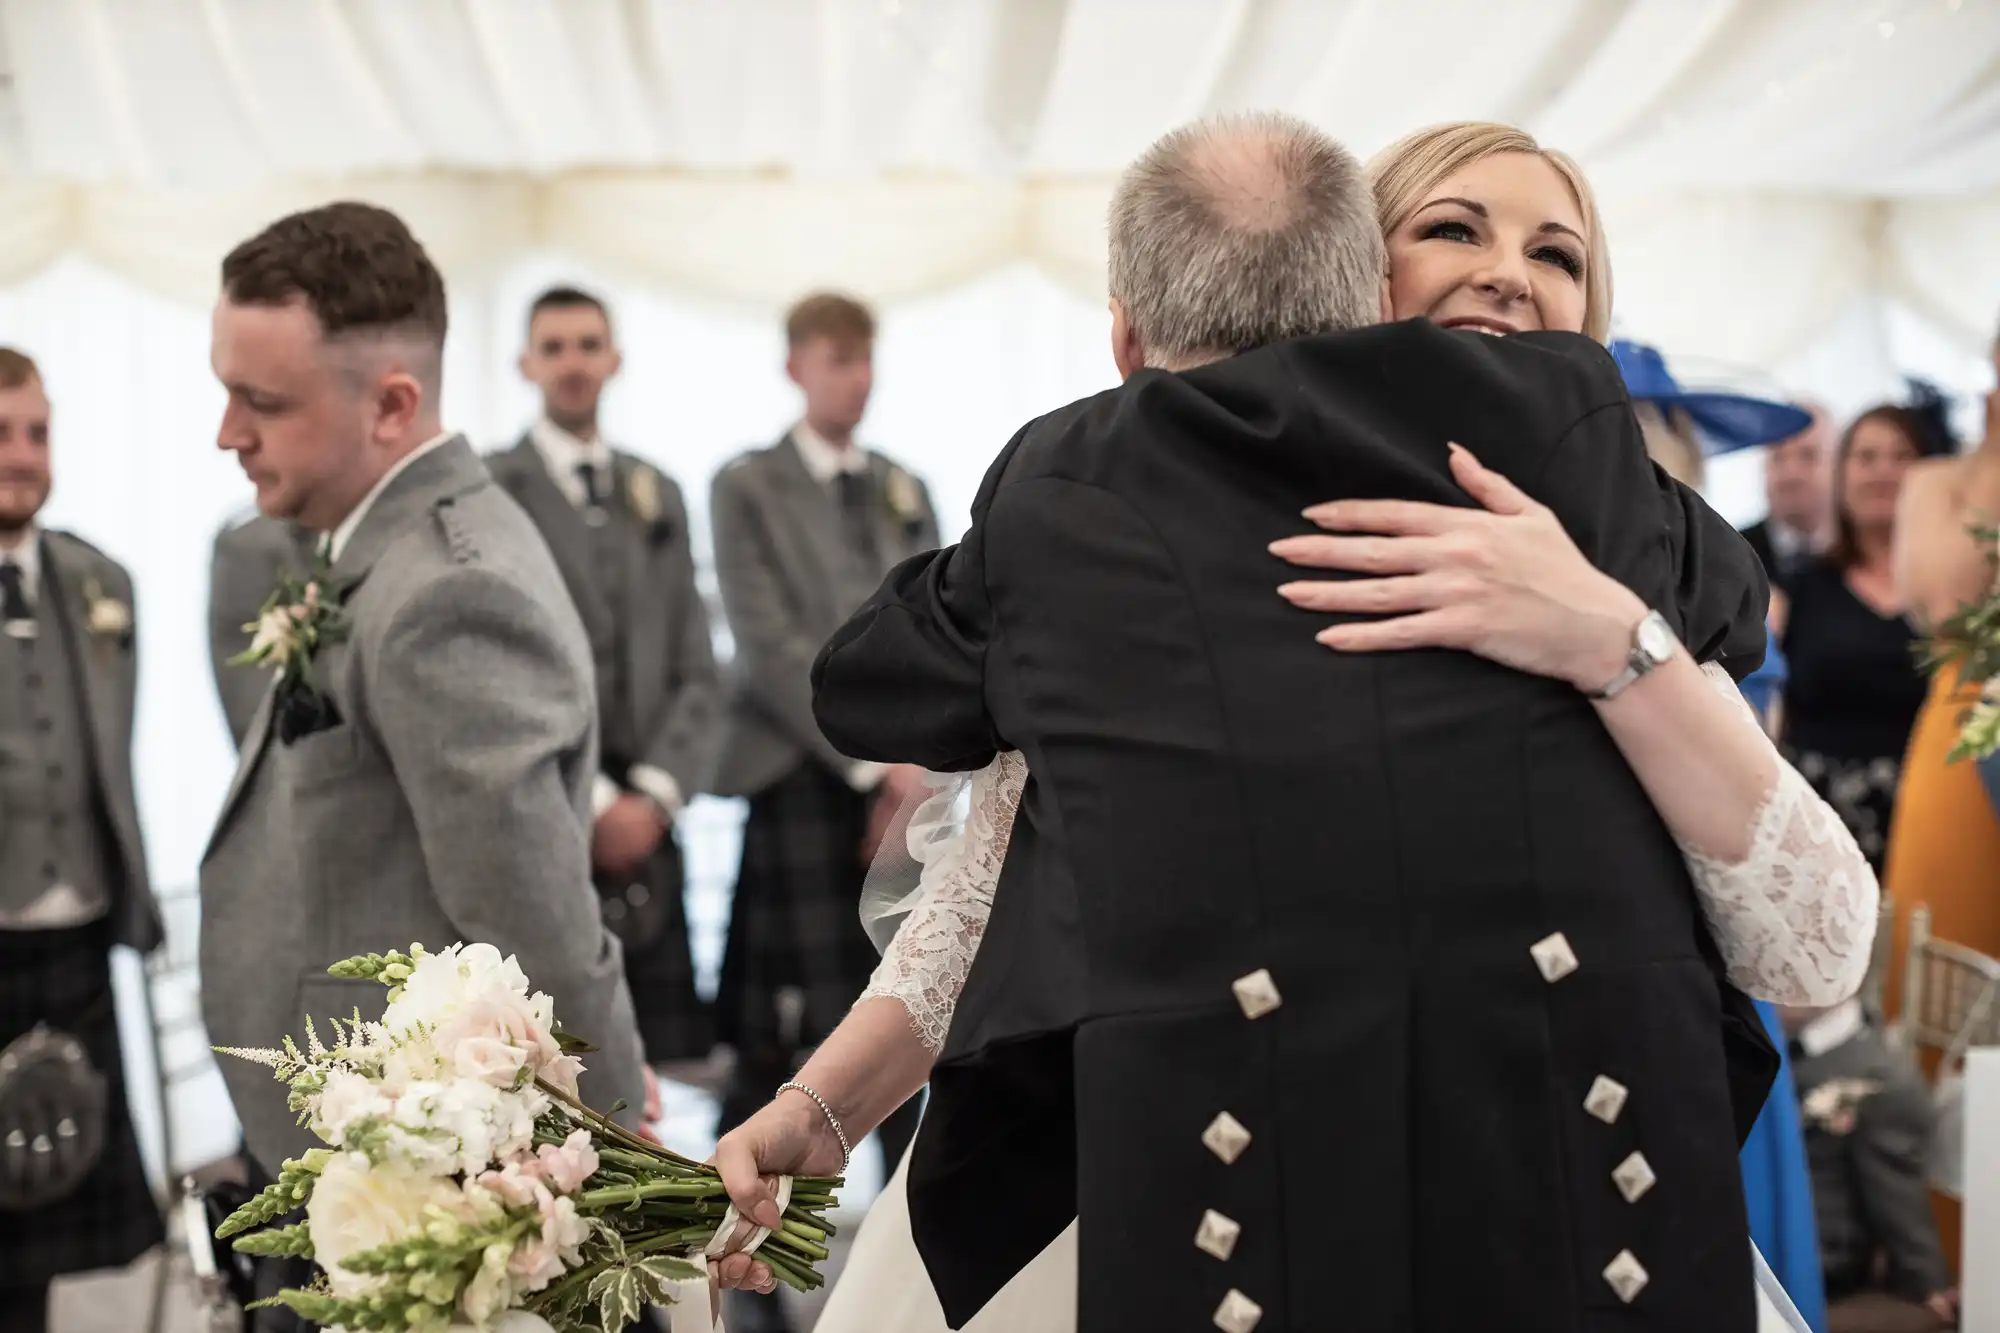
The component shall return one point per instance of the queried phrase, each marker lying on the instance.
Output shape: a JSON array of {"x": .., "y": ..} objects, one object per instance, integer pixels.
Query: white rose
[
  {"x": 347, "y": 1097},
  {"x": 441, "y": 984},
  {"x": 274, "y": 635},
  {"x": 491, "y": 1038},
  {"x": 108, "y": 615},
  {"x": 357, "y": 1207}
]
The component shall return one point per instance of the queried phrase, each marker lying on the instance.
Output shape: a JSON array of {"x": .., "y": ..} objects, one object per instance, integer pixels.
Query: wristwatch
[{"x": 1653, "y": 644}]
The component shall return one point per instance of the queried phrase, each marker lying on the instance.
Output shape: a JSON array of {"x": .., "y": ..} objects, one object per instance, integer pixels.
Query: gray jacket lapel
[
  {"x": 104, "y": 679},
  {"x": 248, "y": 756}
]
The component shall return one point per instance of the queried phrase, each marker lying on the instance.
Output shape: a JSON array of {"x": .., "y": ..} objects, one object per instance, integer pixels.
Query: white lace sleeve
[
  {"x": 926, "y": 963},
  {"x": 1795, "y": 919}
]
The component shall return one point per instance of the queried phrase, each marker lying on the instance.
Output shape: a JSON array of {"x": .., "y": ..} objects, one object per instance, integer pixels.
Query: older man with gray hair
[{"x": 1267, "y": 938}]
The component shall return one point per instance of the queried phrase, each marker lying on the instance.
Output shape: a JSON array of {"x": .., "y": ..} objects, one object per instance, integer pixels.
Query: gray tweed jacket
[{"x": 450, "y": 801}]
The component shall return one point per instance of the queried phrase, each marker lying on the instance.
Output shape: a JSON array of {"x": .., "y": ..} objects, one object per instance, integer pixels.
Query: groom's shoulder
[{"x": 479, "y": 539}]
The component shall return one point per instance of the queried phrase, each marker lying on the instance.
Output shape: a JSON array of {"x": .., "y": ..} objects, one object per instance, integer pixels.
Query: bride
[{"x": 1789, "y": 899}]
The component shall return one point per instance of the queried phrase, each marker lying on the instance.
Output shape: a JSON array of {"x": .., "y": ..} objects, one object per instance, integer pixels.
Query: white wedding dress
[{"x": 1789, "y": 920}]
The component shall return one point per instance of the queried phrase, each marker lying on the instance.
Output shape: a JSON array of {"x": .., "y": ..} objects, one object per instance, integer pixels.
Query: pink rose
[
  {"x": 491, "y": 1039},
  {"x": 569, "y": 1166},
  {"x": 561, "y": 1073}
]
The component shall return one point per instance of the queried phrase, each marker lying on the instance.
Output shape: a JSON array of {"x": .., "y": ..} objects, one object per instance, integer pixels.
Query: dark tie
[
  {"x": 857, "y": 515},
  {"x": 14, "y": 594},
  {"x": 593, "y": 485}
]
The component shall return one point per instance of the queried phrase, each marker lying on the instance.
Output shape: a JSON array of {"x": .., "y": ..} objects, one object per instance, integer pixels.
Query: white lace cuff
[
  {"x": 1794, "y": 919},
  {"x": 926, "y": 963}
]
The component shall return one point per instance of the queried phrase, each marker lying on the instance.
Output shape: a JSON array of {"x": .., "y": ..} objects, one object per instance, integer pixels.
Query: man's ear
[{"x": 1128, "y": 353}]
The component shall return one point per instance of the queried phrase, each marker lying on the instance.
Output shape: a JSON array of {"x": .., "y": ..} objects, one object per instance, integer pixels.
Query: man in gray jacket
[
  {"x": 618, "y": 529},
  {"x": 428, "y": 779},
  {"x": 804, "y": 532}
]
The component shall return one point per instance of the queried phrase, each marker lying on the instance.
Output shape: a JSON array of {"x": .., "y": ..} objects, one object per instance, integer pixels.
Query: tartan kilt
[
  {"x": 674, "y": 1021},
  {"x": 63, "y": 978},
  {"x": 795, "y": 921}
]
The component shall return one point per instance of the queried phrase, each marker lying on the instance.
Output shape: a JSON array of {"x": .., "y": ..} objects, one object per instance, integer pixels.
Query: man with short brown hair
[
  {"x": 804, "y": 532},
  {"x": 428, "y": 776},
  {"x": 72, "y": 884},
  {"x": 618, "y": 528}
]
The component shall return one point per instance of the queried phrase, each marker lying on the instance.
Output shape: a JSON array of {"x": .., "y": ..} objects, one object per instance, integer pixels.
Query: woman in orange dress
[{"x": 1944, "y": 843}]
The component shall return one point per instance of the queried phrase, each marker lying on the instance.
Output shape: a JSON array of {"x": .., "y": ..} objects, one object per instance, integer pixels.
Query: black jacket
[{"x": 1213, "y": 794}]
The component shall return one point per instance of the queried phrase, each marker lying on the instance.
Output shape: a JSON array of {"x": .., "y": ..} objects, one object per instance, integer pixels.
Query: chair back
[{"x": 1951, "y": 996}]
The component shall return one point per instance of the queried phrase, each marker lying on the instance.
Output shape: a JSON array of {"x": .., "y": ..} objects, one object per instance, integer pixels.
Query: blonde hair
[
  {"x": 1672, "y": 442},
  {"x": 1409, "y": 169}
]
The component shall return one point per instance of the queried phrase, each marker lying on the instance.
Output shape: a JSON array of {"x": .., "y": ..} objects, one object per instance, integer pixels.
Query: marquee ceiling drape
[{"x": 1767, "y": 158}]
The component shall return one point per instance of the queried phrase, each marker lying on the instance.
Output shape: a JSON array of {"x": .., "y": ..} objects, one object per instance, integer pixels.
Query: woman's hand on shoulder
[{"x": 1504, "y": 581}]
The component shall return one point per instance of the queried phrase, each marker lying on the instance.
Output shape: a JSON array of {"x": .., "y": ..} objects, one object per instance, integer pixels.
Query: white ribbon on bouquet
[{"x": 697, "y": 1304}]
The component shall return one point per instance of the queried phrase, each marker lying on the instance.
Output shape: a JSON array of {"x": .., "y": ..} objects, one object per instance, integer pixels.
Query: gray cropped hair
[{"x": 1239, "y": 231}]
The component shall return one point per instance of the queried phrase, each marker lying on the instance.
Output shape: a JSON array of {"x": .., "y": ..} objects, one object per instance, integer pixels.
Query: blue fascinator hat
[{"x": 1727, "y": 421}]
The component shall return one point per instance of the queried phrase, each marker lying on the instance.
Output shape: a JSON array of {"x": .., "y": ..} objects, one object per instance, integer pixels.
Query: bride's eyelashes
[{"x": 1452, "y": 229}]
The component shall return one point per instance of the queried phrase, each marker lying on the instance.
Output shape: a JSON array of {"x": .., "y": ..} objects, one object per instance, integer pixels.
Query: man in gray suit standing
[
  {"x": 252, "y": 555},
  {"x": 429, "y": 777},
  {"x": 72, "y": 882},
  {"x": 619, "y": 531},
  {"x": 805, "y": 530}
]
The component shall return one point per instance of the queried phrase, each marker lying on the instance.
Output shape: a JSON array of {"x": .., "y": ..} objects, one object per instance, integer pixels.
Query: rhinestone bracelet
[{"x": 846, "y": 1151}]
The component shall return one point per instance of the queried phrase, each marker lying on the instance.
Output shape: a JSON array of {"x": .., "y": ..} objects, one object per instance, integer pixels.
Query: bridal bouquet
[
  {"x": 1970, "y": 641},
  {"x": 464, "y": 1179}
]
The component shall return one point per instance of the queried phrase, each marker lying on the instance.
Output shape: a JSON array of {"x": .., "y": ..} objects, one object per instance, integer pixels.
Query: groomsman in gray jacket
[
  {"x": 72, "y": 880},
  {"x": 428, "y": 779},
  {"x": 619, "y": 531},
  {"x": 805, "y": 530},
  {"x": 252, "y": 555}
]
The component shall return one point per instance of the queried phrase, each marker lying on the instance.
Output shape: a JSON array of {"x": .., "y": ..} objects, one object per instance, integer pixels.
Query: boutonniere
[
  {"x": 301, "y": 617},
  {"x": 905, "y": 497},
  {"x": 106, "y": 616},
  {"x": 642, "y": 492},
  {"x": 1835, "y": 1104}
]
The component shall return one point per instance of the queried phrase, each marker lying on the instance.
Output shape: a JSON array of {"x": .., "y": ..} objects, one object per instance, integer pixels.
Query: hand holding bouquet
[{"x": 463, "y": 1178}]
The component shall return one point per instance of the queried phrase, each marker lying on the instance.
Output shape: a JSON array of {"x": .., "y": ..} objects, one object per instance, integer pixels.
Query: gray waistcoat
[{"x": 52, "y": 824}]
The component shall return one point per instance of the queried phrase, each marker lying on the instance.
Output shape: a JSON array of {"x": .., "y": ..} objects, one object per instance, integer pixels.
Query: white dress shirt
[
  {"x": 562, "y": 453},
  {"x": 825, "y": 461},
  {"x": 27, "y": 553},
  {"x": 1833, "y": 1028}
]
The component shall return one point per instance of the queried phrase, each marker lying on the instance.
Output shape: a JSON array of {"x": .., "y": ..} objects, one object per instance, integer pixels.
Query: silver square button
[
  {"x": 1257, "y": 993},
  {"x": 1634, "y": 1176},
  {"x": 1606, "y": 1099},
  {"x": 1226, "y": 1138},
  {"x": 1217, "y": 1234},
  {"x": 1237, "y": 1313},
  {"x": 1554, "y": 957},
  {"x": 1627, "y": 1276}
]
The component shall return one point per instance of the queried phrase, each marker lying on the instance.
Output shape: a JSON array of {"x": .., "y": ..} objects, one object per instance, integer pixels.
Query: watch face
[{"x": 1655, "y": 640}]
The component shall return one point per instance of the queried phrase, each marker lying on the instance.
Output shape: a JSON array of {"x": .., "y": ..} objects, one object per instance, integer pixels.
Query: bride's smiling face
[{"x": 1497, "y": 246}]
